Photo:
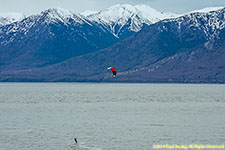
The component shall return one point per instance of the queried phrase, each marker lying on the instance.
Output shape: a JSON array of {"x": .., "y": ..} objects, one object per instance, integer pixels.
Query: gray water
[{"x": 47, "y": 116}]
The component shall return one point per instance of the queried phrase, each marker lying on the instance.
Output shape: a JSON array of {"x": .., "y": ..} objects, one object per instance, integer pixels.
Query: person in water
[{"x": 75, "y": 139}]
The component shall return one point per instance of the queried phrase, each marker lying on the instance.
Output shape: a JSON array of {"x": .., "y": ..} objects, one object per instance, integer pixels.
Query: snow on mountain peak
[
  {"x": 7, "y": 18},
  {"x": 63, "y": 15},
  {"x": 56, "y": 12},
  {"x": 118, "y": 16},
  {"x": 126, "y": 10},
  {"x": 120, "y": 19},
  {"x": 207, "y": 9},
  {"x": 89, "y": 12},
  {"x": 209, "y": 20}
]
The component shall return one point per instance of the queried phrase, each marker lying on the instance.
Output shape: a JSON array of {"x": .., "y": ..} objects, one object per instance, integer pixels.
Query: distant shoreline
[{"x": 116, "y": 82}]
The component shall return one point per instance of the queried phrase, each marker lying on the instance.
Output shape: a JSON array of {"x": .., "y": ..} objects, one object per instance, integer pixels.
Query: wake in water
[{"x": 82, "y": 146}]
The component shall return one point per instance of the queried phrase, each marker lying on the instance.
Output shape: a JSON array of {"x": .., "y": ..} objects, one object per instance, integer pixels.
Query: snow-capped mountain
[
  {"x": 50, "y": 37},
  {"x": 7, "y": 18},
  {"x": 126, "y": 19},
  {"x": 185, "y": 49},
  {"x": 209, "y": 21},
  {"x": 50, "y": 16}
]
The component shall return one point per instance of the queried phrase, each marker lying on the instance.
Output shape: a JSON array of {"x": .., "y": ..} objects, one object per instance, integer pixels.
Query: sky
[{"x": 36, "y": 6}]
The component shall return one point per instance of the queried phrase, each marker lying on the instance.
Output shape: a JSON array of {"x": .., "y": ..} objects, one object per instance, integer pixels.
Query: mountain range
[
  {"x": 143, "y": 44},
  {"x": 57, "y": 34}
]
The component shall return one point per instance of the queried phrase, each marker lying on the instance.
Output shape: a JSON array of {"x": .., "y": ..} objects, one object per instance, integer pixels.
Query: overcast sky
[{"x": 35, "y": 6}]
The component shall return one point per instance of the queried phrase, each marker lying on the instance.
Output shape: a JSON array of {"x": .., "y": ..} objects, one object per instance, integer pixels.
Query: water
[{"x": 47, "y": 116}]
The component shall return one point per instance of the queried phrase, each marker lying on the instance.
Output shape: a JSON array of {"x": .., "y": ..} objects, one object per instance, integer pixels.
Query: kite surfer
[{"x": 75, "y": 139}]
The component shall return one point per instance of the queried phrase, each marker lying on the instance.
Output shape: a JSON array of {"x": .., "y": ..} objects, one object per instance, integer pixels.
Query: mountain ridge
[
  {"x": 49, "y": 38},
  {"x": 142, "y": 57}
]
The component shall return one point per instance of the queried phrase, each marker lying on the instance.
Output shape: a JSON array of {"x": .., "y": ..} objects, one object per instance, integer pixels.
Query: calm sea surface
[{"x": 47, "y": 116}]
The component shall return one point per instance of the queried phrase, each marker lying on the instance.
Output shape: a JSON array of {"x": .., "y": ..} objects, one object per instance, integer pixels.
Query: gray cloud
[{"x": 35, "y": 6}]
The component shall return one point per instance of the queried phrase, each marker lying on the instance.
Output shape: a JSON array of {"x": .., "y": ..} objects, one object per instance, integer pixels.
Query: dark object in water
[{"x": 75, "y": 139}]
